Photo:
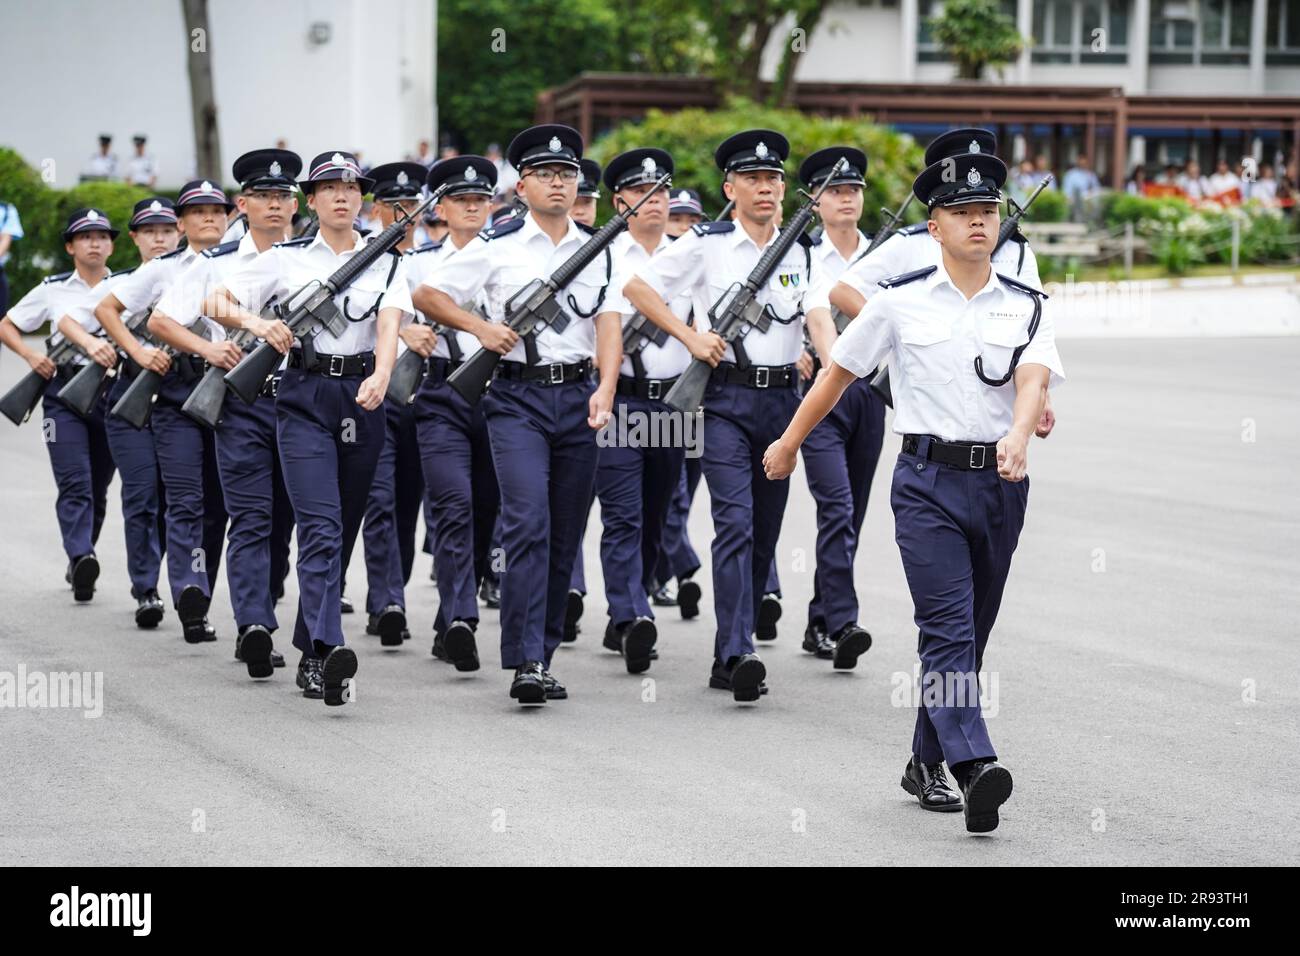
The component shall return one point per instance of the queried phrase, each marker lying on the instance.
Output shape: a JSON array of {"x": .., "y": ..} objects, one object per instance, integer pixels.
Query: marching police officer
[
  {"x": 453, "y": 435},
  {"x": 636, "y": 482},
  {"x": 541, "y": 410},
  {"x": 685, "y": 209},
  {"x": 329, "y": 423},
  {"x": 154, "y": 228},
  {"x": 754, "y": 390},
  {"x": 840, "y": 454},
  {"x": 78, "y": 449},
  {"x": 973, "y": 353},
  {"x": 252, "y": 482},
  {"x": 397, "y": 491}
]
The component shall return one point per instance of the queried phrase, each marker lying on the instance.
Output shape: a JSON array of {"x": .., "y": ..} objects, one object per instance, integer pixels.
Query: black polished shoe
[
  {"x": 148, "y": 610},
  {"x": 192, "y": 609},
  {"x": 988, "y": 786},
  {"x": 209, "y": 632},
  {"x": 337, "y": 673},
  {"x": 372, "y": 625},
  {"x": 345, "y": 604},
  {"x": 572, "y": 614},
  {"x": 815, "y": 640},
  {"x": 490, "y": 594},
  {"x": 769, "y": 612},
  {"x": 82, "y": 575},
  {"x": 688, "y": 599},
  {"x": 638, "y": 644},
  {"x": 849, "y": 643},
  {"x": 613, "y": 639},
  {"x": 310, "y": 678},
  {"x": 253, "y": 647},
  {"x": 529, "y": 685},
  {"x": 277, "y": 659},
  {"x": 662, "y": 597},
  {"x": 439, "y": 648},
  {"x": 554, "y": 689},
  {"x": 460, "y": 646},
  {"x": 929, "y": 784},
  {"x": 390, "y": 622},
  {"x": 743, "y": 676}
]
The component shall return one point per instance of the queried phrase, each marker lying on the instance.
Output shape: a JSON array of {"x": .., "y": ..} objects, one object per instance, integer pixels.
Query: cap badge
[
  {"x": 206, "y": 187},
  {"x": 761, "y": 150},
  {"x": 155, "y": 206},
  {"x": 683, "y": 196},
  {"x": 274, "y": 169},
  {"x": 648, "y": 164},
  {"x": 338, "y": 160},
  {"x": 471, "y": 174},
  {"x": 972, "y": 177},
  {"x": 92, "y": 215},
  {"x": 555, "y": 145},
  {"x": 402, "y": 178},
  {"x": 974, "y": 146}
]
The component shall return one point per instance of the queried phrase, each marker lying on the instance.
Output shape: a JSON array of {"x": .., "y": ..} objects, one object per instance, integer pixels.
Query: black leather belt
[
  {"x": 650, "y": 388},
  {"x": 439, "y": 368},
  {"x": 335, "y": 366},
  {"x": 968, "y": 456},
  {"x": 757, "y": 376},
  {"x": 552, "y": 373}
]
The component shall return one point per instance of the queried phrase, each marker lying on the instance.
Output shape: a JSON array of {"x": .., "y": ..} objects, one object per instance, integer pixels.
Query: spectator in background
[
  {"x": 1024, "y": 181},
  {"x": 1079, "y": 184},
  {"x": 1264, "y": 188},
  {"x": 361, "y": 163},
  {"x": 1224, "y": 181},
  {"x": 1042, "y": 169},
  {"x": 1137, "y": 181},
  {"x": 507, "y": 176},
  {"x": 448, "y": 151},
  {"x": 1194, "y": 186},
  {"x": 423, "y": 155},
  {"x": 11, "y": 228},
  {"x": 102, "y": 165},
  {"x": 1286, "y": 185},
  {"x": 142, "y": 168},
  {"x": 1168, "y": 176}
]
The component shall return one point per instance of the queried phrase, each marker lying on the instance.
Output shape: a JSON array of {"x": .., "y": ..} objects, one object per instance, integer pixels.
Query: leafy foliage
[{"x": 976, "y": 34}]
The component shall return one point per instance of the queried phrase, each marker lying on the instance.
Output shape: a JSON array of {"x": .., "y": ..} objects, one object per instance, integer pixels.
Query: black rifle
[
  {"x": 1009, "y": 227},
  {"x": 315, "y": 308},
  {"x": 208, "y": 398},
  {"x": 738, "y": 309},
  {"x": 18, "y": 403},
  {"x": 89, "y": 384},
  {"x": 888, "y": 226},
  {"x": 536, "y": 305},
  {"x": 135, "y": 406}
]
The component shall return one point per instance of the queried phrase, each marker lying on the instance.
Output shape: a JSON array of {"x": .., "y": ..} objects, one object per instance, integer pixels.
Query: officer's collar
[
  {"x": 828, "y": 248},
  {"x": 247, "y": 247},
  {"x": 739, "y": 235},
  {"x": 940, "y": 277},
  {"x": 531, "y": 229},
  {"x": 319, "y": 239}
]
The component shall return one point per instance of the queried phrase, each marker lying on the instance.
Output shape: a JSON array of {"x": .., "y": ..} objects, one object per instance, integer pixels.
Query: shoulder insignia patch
[
  {"x": 893, "y": 282},
  {"x": 428, "y": 247},
  {"x": 714, "y": 228},
  {"x": 915, "y": 229},
  {"x": 503, "y": 228},
  {"x": 222, "y": 250},
  {"x": 1019, "y": 286},
  {"x": 295, "y": 243},
  {"x": 58, "y": 278},
  {"x": 170, "y": 255}
]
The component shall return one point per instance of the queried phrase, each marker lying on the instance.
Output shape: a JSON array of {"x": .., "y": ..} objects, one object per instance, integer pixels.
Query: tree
[
  {"x": 976, "y": 34},
  {"x": 203, "y": 102}
]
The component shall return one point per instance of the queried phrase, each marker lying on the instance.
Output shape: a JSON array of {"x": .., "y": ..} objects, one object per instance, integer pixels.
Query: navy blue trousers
[
  {"x": 196, "y": 510},
  {"x": 578, "y": 579},
  {"x": 83, "y": 467},
  {"x": 142, "y": 511},
  {"x": 261, "y": 518},
  {"x": 545, "y": 456},
  {"x": 635, "y": 487},
  {"x": 329, "y": 448},
  {"x": 739, "y": 424},
  {"x": 956, "y": 531},
  {"x": 461, "y": 489},
  {"x": 677, "y": 557},
  {"x": 393, "y": 510},
  {"x": 839, "y": 458}
]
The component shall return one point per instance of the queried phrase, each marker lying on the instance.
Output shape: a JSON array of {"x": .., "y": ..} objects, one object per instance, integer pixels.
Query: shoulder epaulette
[
  {"x": 915, "y": 229},
  {"x": 58, "y": 278},
  {"x": 714, "y": 228},
  {"x": 893, "y": 282},
  {"x": 428, "y": 247},
  {"x": 1021, "y": 286},
  {"x": 122, "y": 272},
  {"x": 295, "y": 243},
  {"x": 224, "y": 249},
  {"x": 170, "y": 255},
  {"x": 809, "y": 240},
  {"x": 589, "y": 230},
  {"x": 503, "y": 228}
]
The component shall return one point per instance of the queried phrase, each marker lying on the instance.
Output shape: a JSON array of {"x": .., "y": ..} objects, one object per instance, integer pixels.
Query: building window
[
  {"x": 927, "y": 50},
  {"x": 1080, "y": 31},
  {"x": 1282, "y": 36},
  {"x": 1201, "y": 32}
]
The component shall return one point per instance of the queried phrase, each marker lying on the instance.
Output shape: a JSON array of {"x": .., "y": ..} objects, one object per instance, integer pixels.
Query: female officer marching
[{"x": 330, "y": 424}]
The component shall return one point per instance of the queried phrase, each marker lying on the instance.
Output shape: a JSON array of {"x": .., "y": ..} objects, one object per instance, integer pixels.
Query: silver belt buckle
[
  {"x": 557, "y": 373},
  {"x": 760, "y": 377},
  {"x": 335, "y": 369},
  {"x": 653, "y": 387},
  {"x": 977, "y": 448}
]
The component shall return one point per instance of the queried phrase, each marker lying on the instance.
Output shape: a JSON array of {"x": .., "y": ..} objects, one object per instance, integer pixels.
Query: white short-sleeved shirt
[
  {"x": 660, "y": 361},
  {"x": 830, "y": 265},
  {"x": 143, "y": 287},
  {"x": 286, "y": 267},
  {"x": 708, "y": 259},
  {"x": 182, "y": 301},
  {"x": 59, "y": 295},
  {"x": 935, "y": 335},
  {"x": 141, "y": 170},
  {"x": 422, "y": 264},
  {"x": 503, "y": 259}
]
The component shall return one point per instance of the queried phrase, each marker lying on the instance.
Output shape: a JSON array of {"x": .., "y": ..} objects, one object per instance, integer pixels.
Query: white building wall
[
  {"x": 863, "y": 39},
  {"x": 76, "y": 68}
]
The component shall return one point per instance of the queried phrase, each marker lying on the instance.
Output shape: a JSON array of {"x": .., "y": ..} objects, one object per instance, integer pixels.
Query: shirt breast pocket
[
  {"x": 784, "y": 291},
  {"x": 926, "y": 354},
  {"x": 587, "y": 292},
  {"x": 361, "y": 300},
  {"x": 1001, "y": 339}
]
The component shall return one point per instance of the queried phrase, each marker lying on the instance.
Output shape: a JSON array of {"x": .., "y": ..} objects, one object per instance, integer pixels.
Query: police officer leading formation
[{"x": 330, "y": 443}]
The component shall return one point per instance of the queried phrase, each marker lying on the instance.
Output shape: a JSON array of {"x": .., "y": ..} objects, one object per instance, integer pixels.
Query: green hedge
[{"x": 691, "y": 136}]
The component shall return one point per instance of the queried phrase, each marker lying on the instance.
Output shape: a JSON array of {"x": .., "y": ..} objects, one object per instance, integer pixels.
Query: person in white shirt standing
[
  {"x": 974, "y": 352},
  {"x": 141, "y": 168}
]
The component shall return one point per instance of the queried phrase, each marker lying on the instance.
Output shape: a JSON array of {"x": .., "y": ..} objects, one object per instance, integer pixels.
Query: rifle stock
[
  {"x": 405, "y": 379},
  {"x": 687, "y": 393},
  {"x": 136, "y": 404},
  {"x": 85, "y": 388},
  {"x": 19, "y": 402},
  {"x": 474, "y": 373}
]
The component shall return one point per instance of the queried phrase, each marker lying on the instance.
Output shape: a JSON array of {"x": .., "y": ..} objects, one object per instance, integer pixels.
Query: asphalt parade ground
[{"x": 1143, "y": 682}]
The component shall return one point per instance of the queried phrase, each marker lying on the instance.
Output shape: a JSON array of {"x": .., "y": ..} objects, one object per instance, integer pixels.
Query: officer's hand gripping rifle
[
  {"x": 135, "y": 406},
  {"x": 1008, "y": 228},
  {"x": 312, "y": 308},
  {"x": 85, "y": 388},
  {"x": 738, "y": 309},
  {"x": 536, "y": 305},
  {"x": 18, "y": 403}
]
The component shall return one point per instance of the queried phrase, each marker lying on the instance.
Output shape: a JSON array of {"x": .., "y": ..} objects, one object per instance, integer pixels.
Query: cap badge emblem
[
  {"x": 155, "y": 206},
  {"x": 92, "y": 216},
  {"x": 206, "y": 187},
  {"x": 761, "y": 150},
  {"x": 648, "y": 165},
  {"x": 972, "y": 177},
  {"x": 683, "y": 196},
  {"x": 274, "y": 169},
  {"x": 974, "y": 146},
  {"x": 337, "y": 159},
  {"x": 402, "y": 178},
  {"x": 471, "y": 174},
  {"x": 554, "y": 145}
]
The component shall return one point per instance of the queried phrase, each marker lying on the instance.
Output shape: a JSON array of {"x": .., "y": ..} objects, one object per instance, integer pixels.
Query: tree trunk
[
  {"x": 807, "y": 18},
  {"x": 203, "y": 105}
]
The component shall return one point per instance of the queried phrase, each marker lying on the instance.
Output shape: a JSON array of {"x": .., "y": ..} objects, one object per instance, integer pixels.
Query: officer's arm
[
  {"x": 778, "y": 460},
  {"x": 95, "y": 348},
  {"x": 847, "y": 299},
  {"x": 705, "y": 346},
  {"x": 821, "y": 329},
  {"x": 108, "y": 313},
  {"x": 24, "y": 316},
  {"x": 370, "y": 393},
  {"x": 1031, "y": 394},
  {"x": 167, "y": 330},
  {"x": 609, "y": 356}
]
